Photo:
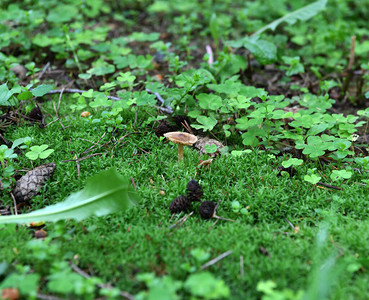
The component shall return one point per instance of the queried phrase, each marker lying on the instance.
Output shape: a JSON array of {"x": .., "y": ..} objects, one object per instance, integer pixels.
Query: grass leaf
[
  {"x": 302, "y": 14},
  {"x": 105, "y": 193}
]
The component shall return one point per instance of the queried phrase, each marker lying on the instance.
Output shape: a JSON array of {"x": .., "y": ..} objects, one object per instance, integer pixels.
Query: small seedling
[{"x": 39, "y": 152}]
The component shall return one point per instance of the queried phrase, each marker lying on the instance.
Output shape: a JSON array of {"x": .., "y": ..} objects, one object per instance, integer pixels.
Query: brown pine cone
[
  {"x": 194, "y": 190},
  {"x": 179, "y": 204},
  {"x": 164, "y": 127},
  {"x": 207, "y": 209},
  {"x": 31, "y": 183}
]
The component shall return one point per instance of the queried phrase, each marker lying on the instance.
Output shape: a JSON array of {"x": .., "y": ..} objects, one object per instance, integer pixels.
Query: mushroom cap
[{"x": 183, "y": 138}]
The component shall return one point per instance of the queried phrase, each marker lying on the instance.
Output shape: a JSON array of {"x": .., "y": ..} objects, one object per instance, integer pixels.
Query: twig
[
  {"x": 43, "y": 70},
  {"x": 15, "y": 204},
  {"x": 47, "y": 297},
  {"x": 342, "y": 251},
  {"x": 83, "y": 158},
  {"x": 182, "y": 220},
  {"x": 241, "y": 266},
  {"x": 57, "y": 108},
  {"x": 100, "y": 285},
  {"x": 93, "y": 146},
  {"x": 329, "y": 186},
  {"x": 293, "y": 227},
  {"x": 133, "y": 182},
  {"x": 215, "y": 260},
  {"x": 352, "y": 53},
  {"x": 350, "y": 64}
]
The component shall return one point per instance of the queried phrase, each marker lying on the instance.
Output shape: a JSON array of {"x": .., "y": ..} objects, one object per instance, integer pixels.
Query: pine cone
[
  {"x": 194, "y": 190},
  {"x": 181, "y": 119},
  {"x": 207, "y": 209},
  {"x": 35, "y": 114},
  {"x": 164, "y": 127},
  {"x": 31, "y": 183},
  {"x": 181, "y": 203}
]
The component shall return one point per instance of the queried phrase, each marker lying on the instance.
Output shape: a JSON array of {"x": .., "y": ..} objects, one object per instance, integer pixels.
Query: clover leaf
[{"x": 39, "y": 152}]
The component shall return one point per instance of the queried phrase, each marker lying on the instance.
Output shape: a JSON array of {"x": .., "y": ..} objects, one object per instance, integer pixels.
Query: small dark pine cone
[
  {"x": 35, "y": 114},
  {"x": 194, "y": 190},
  {"x": 181, "y": 119},
  {"x": 181, "y": 203},
  {"x": 207, "y": 209},
  {"x": 31, "y": 183},
  {"x": 164, "y": 127}
]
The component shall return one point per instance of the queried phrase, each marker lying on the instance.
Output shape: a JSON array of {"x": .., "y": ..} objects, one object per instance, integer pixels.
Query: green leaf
[
  {"x": 292, "y": 162},
  {"x": 32, "y": 155},
  {"x": 5, "y": 94},
  {"x": 208, "y": 123},
  {"x": 209, "y": 101},
  {"x": 316, "y": 129},
  {"x": 313, "y": 179},
  {"x": 265, "y": 52},
  {"x": 46, "y": 153},
  {"x": 340, "y": 174},
  {"x": 26, "y": 95},
  {"x": 41, "y": 90},
  {"x": 105, "y": 193},
  {"x": 206, "y": 285},
  {"x": 302, "y": 14}
]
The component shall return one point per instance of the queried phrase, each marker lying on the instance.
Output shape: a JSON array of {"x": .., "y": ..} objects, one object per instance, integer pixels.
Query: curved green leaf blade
[
  {"x": 104, "y": 193},
  {"x": 302, "y": 14}
]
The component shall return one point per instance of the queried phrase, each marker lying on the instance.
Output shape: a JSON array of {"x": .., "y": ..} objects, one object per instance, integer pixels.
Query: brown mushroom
[{"x": 181, "y": 138}]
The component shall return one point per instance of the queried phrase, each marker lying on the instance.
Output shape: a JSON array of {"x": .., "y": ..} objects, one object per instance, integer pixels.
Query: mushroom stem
[{"x": 180, "y": 152}]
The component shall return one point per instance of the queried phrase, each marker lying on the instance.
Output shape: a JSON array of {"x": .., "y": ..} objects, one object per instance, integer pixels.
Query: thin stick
[
  {"x": 44, "y": 70},
  {"x": 83, "y": 158},
  {"x": 293, "y": 227},
  {"x": 350, "y": 65},
  {"x": 93, "y": 146},
  {"x": 47, "y": 297},
  {"x": 329, "y": 186},
  {"x": 221, "y": 218},
  {"x": 215, "y": 260},
  {"x": 57, "y": 108},
  {"x": 100, "y": 285},
  {"x": 133, "y": 182},
  {"x": 15, "y": 204},
  {"x": 241, "y": 266},
  {"x": 183, "y": 219},
  {"x": 352, "y": 53}
]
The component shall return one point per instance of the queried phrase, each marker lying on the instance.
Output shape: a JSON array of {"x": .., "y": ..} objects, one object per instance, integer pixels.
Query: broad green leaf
[
  {"x": 302, "y": 14},
  {"x": 5, "y": 94},
  {"x": 105, "y": 193},
  {"x": 41, "y": 90},
  {"x": 313, "y": 179},
  {"x": 207, "y": 123},
  {"x": 264, "y": 51},
  {"x": 209, "y": 101},
  {"x": 26, "y": 95},
  {"x": 62, "y": 13},
  {"x": 206, "y": 285},
  {"x": 316, "y": 129},
  {"x": 292, "y": 162}
]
